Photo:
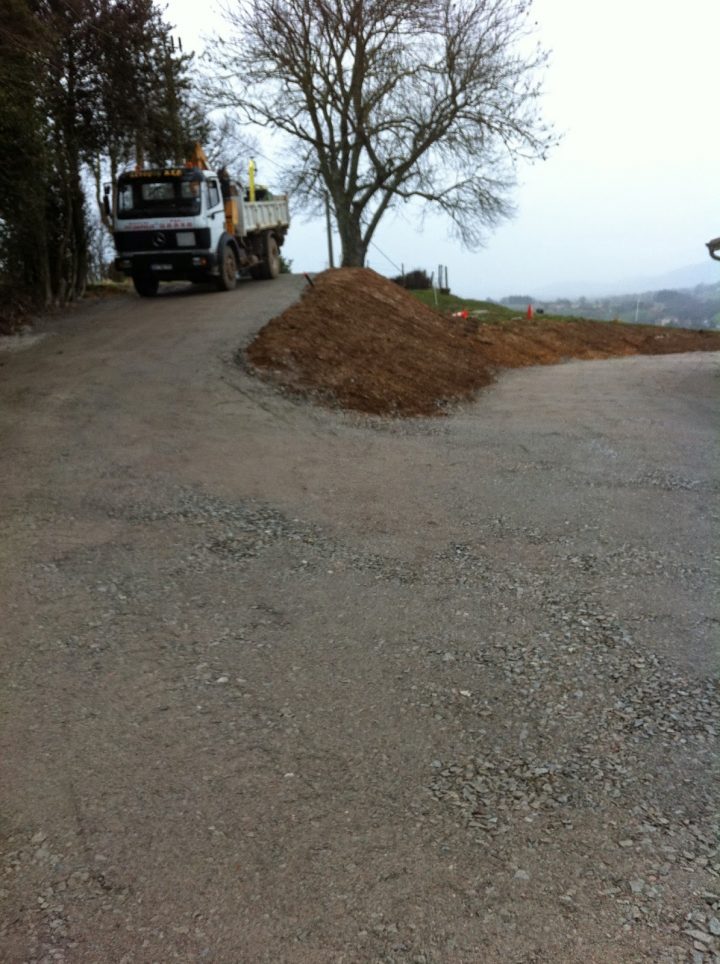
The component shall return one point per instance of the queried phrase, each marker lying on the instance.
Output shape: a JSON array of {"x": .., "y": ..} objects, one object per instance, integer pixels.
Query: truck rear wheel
[
  {"x": 228, "y": 270},
  {"x": 270, "y": 267},
  {"x": 145, "y": 285}
]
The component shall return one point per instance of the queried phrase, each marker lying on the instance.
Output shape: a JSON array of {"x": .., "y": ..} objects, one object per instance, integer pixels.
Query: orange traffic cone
[{"x": 530, "y": 313}]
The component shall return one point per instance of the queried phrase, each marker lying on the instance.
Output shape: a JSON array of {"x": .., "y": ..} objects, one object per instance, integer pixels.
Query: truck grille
[{"x": 166, "y": 240}]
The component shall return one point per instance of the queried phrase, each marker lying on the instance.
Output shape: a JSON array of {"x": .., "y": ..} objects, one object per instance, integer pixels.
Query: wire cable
[{"x": 396, "y": 266}]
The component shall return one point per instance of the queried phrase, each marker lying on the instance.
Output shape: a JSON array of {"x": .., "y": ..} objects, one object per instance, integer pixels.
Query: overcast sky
[{"x": 634, "y": 188}]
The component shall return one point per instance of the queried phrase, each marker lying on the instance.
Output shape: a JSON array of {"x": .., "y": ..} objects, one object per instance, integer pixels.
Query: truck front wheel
[
  {"x": 145, "y": 285},
  {"x": 228, "y": 270}
]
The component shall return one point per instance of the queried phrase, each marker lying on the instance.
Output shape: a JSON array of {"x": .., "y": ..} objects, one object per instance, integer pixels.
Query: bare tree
[{"x": 390, "y": 100}]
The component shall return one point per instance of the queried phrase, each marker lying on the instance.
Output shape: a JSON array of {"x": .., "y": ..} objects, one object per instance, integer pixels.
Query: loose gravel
[{"x": 283, "y": 685}]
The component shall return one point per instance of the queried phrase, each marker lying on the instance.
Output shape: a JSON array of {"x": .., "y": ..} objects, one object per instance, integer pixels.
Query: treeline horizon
[{"x": 697, "y": 307}]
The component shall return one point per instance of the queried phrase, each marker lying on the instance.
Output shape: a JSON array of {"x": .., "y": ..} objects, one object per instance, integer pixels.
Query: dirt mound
[{"x": 359, "y": 341}]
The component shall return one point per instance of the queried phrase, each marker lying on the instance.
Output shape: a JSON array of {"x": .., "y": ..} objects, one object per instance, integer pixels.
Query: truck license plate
[{"x": 161, "y": 267}]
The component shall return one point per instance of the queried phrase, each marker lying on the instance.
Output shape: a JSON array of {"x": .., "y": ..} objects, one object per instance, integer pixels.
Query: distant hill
[
  {"x": 703, "y": 273},
  {"x": 697, "y": 307}
]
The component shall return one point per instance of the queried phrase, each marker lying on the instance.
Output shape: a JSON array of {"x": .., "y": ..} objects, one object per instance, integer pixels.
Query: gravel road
[{"x": 286, "y": 685}]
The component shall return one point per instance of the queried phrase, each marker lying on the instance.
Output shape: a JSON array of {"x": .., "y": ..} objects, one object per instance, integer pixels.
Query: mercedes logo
[{"x": 159, "y": 240}]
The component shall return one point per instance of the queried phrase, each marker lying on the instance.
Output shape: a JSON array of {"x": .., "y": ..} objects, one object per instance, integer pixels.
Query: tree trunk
[
  {"x": 114, "y": 167},
  {"x": 354, "y": 246},
  {"x": 96, "y": 168},
  {"x": 78, "y": 279}
]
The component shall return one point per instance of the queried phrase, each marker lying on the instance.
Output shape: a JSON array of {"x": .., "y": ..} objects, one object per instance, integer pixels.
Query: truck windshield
[{"x": 146, "y": 197}]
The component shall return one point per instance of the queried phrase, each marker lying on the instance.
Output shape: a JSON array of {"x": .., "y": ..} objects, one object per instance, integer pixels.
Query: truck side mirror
[{"x": 106, "y": 202}]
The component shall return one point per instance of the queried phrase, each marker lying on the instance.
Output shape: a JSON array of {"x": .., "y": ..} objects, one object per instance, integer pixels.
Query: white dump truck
[{"x": 189, "y": 223}]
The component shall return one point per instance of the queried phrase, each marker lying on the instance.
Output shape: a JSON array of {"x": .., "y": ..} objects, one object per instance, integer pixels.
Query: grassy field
[{"x": 485, "y": 311}]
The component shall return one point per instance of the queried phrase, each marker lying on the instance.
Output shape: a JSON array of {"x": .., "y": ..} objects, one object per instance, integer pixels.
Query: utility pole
[{"x": 328, "y": 226}]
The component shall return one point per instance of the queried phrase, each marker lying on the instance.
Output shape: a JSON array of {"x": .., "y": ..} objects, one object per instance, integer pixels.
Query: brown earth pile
[{"x": 359, "y": 341}]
